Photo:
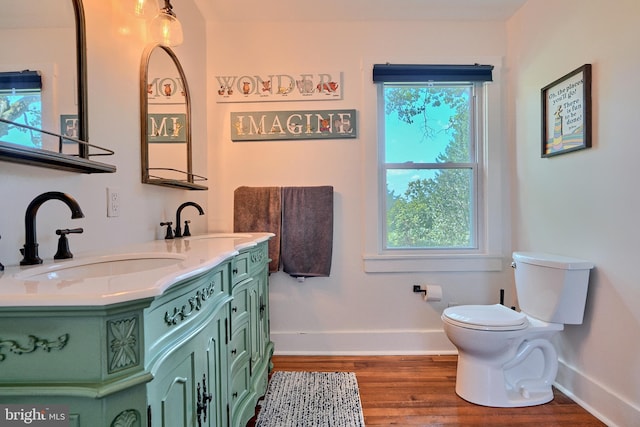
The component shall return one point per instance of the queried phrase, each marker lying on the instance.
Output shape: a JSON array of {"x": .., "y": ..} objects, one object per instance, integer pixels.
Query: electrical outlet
[
  {"x": 113, "y": 202},
  {"x": 416, "y": 288}
]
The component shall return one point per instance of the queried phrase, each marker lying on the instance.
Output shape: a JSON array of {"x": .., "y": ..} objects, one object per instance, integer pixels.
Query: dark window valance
[
  {"x": 20, "y": 80},
  {"x": 409, "y": 73}
]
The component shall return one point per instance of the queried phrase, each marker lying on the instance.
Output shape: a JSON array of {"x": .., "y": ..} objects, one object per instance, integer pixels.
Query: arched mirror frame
[
  {"x": 190, "y": 180},
  {"x": 58, "y": 160}
]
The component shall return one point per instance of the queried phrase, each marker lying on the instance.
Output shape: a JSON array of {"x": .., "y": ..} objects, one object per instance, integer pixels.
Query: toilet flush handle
[{"x": 513, "y": 264}]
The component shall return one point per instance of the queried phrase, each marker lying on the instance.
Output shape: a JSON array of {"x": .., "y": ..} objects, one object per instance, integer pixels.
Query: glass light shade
[
  {"x": 166, "y": 30},
  {"x": 142, "y": 8}
]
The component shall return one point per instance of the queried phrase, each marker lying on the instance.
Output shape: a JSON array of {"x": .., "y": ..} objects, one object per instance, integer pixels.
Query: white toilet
[{"x": 505, "y": 357}]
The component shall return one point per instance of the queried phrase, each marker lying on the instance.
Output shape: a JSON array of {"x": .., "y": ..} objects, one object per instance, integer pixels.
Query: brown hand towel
[
  {"x": 307, "y": 231},
  {"x": 259, "y": 209}
]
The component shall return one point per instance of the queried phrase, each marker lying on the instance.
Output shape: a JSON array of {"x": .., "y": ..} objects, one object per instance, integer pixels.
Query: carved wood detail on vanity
[
  {"x": 258, "y": 256},
  {"x": 128, "y": 418},
  {"x": 33, "y": 343},
  {"x": 194, "y": 303},
  {"x": 123, "y": 338}
]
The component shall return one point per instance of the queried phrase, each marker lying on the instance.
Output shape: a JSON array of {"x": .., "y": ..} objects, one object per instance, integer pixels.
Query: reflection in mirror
[
  {"x": 43, "y": 115},
  {"x": 165, "y": 121},
  {"x": 21, "y": 102}
]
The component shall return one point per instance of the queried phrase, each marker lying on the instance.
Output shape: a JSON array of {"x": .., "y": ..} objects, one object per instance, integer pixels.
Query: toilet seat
[{"x": 495, "y": 317}]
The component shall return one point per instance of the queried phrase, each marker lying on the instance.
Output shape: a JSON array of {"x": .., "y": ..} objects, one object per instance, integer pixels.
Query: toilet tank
[{"x": 551, "y": 288}]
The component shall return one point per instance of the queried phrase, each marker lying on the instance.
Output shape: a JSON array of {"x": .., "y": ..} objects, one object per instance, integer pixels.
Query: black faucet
[
  {"x": 178, "y": 232},
  {"x": 63, "y": 243},
  {"x": 169, "y": 234},
  {"x": 30, "y": 250}
]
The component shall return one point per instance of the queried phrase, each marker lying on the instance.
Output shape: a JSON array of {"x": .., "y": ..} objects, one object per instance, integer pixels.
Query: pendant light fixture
[
  {"x": 165, "y": 28},
  {"x": 142, "y": 8}
]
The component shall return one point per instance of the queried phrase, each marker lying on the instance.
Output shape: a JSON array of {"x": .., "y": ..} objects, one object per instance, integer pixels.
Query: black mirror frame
[{"x": 189, "y": 183}]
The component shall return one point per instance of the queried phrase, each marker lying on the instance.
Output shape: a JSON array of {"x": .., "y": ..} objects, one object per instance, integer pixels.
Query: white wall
[
  {"x": 349, "y": 312},
  {"x": 114, "y": 57},
  {"x": 585, "y": 204}
]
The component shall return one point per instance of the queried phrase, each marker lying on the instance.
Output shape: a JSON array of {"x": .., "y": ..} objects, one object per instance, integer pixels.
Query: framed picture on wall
[{"x": 566, "y": 113}]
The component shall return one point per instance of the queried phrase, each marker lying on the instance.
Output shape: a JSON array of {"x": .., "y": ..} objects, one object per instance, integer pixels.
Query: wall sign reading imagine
[{"x": 291, "y": 125}]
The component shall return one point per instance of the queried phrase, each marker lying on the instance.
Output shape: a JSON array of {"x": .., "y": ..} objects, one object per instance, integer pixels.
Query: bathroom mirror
[
  {"x": 165, "y": 119},
  {"x": 43, "y": 87}
]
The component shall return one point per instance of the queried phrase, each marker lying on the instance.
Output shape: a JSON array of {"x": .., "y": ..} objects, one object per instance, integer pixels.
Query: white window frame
[
  {"x": 492, "y": 231},
  {"x": 476, "y": 113}
]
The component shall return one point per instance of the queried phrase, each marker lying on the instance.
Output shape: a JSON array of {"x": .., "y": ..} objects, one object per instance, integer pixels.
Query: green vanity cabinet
[
  {"x": 197, "y": 355},
  {"x": 251, "y": 349}
]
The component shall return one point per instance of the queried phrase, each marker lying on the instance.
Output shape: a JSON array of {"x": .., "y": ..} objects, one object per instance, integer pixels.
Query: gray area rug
[{"x": 311, "y": 399}]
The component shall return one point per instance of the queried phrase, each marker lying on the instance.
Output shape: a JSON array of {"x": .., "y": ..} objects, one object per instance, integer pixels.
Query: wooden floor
[{"x": 420, "y": 391}]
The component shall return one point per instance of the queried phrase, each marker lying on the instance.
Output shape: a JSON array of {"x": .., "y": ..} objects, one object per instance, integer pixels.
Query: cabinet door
[
  {"x": 211, "y": 391},
  {"x": 190, "y": 388},
  {"x": 171, "y": 393}
]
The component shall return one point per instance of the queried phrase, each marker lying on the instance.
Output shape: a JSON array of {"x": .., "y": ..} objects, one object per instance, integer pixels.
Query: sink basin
[{"x": 103, "y": 266}]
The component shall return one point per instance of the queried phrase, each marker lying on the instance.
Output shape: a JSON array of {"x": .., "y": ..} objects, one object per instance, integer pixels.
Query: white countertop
[{"x": 39, "y": 285}]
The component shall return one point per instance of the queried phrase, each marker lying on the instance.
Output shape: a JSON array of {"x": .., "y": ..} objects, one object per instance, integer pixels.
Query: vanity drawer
[
  {"x": 247, "y": 262},
  {"x": 240, "y": 303},
  {"x": 240, "y": 267},
  {"x": 239, "y": 384},
  {"x": 238, "y": 348}
]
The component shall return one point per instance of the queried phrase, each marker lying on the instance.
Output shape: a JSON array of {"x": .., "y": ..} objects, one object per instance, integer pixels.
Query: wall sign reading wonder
[
  {"x": 279, "y": 87},
  {"x": 291, "y": 125}
]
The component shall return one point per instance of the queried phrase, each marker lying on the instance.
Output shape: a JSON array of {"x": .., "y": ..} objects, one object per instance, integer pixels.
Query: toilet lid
[{"x": 495, "y": 317}]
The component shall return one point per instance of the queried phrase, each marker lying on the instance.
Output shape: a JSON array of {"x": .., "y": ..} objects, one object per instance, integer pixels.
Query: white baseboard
[
  {"x": 603, "y": 403},
  {"x": 365, "y": 343}
]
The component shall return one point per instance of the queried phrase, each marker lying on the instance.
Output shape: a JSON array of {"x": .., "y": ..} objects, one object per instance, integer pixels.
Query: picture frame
[{"x": 566, "y": 113}]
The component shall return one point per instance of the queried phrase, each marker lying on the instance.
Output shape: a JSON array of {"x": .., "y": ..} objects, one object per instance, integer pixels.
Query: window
[
  {"x": 431, "y": 177},
  {"x": 21, "y": 102},
  {"x": 430, "y": 164}
]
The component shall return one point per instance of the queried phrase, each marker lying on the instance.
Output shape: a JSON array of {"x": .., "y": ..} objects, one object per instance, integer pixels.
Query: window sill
[{"x": 431, "y": 263}]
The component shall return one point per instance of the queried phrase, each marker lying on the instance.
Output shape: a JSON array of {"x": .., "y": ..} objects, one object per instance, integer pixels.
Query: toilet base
[
  {"x": 512, "y": 399},
  {"x": 485, "y": 385}
]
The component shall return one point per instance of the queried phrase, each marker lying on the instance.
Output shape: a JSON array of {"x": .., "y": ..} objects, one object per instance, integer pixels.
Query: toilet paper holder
[
  {"x": 417, "y": 289},
  {"x": 430, "y": 293}
]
